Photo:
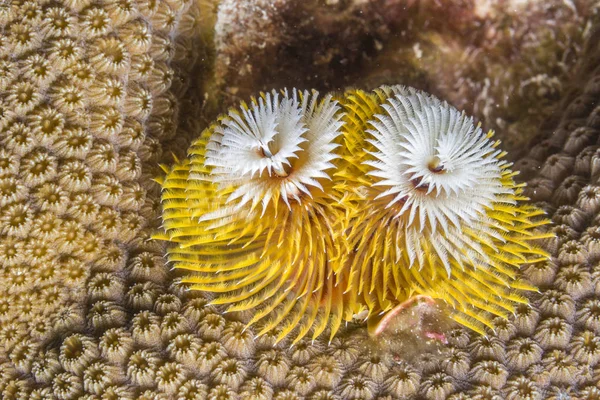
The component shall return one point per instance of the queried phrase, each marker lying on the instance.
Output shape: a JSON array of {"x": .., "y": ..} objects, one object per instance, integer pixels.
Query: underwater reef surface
[
  {"x": 507, "y": 62},
  {"x": 93, "y": 95}
]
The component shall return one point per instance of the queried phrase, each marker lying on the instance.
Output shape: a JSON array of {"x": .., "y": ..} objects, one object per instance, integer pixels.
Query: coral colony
[
  {"x": 94, "y": 95},
  {"x": 312, "y": 211}
]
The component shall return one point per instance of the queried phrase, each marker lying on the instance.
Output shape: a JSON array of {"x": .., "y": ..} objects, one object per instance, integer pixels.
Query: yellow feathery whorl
[
  {"x": 439, "y": 214},
  {"x": 255, "y": 215},
  {"x": 271, "y": 214}
]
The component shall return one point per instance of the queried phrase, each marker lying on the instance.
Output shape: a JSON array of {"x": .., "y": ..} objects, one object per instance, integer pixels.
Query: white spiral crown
[
  {"x": 438, "y": 166},
  {"x": 442, "y": 174},
  {"x": 278, "y": 147}
]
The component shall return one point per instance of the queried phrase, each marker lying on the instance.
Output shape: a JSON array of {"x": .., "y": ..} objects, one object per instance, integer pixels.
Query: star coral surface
[{"x": 55, "y": 344}]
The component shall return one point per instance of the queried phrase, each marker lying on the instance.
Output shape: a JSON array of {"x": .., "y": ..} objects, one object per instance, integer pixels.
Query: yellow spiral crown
[{"x": 310, "y": 210}]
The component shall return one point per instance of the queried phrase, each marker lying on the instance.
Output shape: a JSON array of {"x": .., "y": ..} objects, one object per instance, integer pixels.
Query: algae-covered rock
[{"x": 506, "y": 63}]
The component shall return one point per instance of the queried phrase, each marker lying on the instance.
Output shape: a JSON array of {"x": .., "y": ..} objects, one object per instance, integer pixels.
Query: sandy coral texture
[{"x": 92, "y": 95}]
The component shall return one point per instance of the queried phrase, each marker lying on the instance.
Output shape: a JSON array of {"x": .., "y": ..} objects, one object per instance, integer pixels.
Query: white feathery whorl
[
  {"x": 278, "y": 147},
  {"x": 440, "y": 170}
]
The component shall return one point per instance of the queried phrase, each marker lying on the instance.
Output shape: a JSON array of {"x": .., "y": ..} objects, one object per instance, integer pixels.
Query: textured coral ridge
[
  {"x": 438, "y": 211},
  {"x": 420, "y": 205},
  {"x": 90, "y": 93}
]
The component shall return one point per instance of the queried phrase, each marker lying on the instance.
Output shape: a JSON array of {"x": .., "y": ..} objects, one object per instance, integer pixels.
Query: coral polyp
[
  {"x": 255, "y": 215},
  {"x": 311, "y": 212},
  {"x": 439, "y": 213}
]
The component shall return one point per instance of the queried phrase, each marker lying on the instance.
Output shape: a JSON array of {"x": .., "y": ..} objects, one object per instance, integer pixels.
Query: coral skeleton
[{"x": 317, "y": 212}]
